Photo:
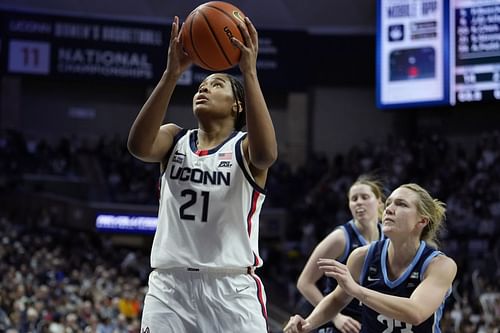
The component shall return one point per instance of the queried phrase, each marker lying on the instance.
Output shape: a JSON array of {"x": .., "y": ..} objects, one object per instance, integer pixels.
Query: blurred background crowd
[{"x": 56, "y": 278}]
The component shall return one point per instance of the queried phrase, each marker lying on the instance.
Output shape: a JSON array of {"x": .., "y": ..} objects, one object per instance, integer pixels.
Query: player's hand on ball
[
  {"x": 249, "y": 47},
  {"x": 178, "y": 61}
]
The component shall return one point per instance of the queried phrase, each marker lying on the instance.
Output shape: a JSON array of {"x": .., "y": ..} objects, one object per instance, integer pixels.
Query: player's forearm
[
  {"x": 327, "y": 309},
  {"x": 310, "y": 292},
  {"x": 261, "y": 134},
  {"x": 398, "y": 308}
]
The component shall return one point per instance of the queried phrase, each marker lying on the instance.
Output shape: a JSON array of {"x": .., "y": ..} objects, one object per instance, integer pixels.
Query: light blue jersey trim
[
  {"x": 408, "y": 270},
  {"x": 437, "y": 319},
  {"x": 428, "y": 261},
  {"x": 368, "y": 257},
  {"x": 360, "y": 237},
  {"x": 347, "y": 244},
  {"x": 439, "y": 312},
  {"x": 358, "y": 234}
]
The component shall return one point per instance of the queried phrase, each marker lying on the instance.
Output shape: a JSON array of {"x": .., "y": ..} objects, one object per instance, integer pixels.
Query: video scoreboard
[
  {"x": 437, "y": 52},
  {"x": 477, "y": 52}
]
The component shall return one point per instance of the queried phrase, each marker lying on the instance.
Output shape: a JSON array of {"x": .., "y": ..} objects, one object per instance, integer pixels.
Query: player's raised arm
[
  {"x": 261, "y": 141},
  {"x": 148, "y": 140}
]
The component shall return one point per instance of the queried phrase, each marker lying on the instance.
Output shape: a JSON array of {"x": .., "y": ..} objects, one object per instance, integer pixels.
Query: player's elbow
[
  {"x": 416, "y": 317},
  {"x": 137, "y": 148},
  {"x": 133, "y": 147},
  {"x": 303, "y": 285}
]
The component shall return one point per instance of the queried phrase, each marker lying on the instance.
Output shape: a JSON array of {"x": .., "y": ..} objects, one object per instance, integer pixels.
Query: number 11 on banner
[{"x": 30, "y": 57}]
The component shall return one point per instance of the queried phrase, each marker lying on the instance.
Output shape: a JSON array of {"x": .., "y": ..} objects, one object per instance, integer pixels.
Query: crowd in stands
[
  {"x": 57, "y": 280},
  {"x": 61, "y": 281}
]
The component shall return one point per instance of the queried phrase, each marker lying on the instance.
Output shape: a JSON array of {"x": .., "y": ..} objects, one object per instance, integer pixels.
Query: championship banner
[{"x": 78, "y": 47}]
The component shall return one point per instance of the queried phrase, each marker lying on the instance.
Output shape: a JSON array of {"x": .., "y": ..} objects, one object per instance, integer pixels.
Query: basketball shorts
[{"x": 194, "y": 301}]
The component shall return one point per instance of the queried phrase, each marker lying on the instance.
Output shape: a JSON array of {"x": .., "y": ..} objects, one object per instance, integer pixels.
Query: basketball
[{"x": 206, "y": 35}]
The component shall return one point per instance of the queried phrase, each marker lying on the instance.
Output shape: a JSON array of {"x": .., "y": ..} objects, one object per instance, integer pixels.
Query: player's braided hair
[{"x": 239, "y": 96}]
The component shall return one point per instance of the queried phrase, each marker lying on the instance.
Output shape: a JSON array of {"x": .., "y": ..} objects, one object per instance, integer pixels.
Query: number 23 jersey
[
  {"x": 375, "y": 276},
  {"x": 209, "y": 207}
]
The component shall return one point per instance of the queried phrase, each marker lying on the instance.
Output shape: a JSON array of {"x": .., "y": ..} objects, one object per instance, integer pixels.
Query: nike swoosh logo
[
  {"x": 240, "y": 290},
  {"x": 372, "y": 279},
  {"x": 178, "y": 153}
]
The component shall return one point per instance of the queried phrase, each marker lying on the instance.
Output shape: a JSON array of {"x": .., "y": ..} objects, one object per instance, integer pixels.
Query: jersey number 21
[{"x": 192, "y": 197}]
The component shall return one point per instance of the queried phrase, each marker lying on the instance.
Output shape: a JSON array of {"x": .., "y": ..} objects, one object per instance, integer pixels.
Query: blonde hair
[
  {"x": 432, "y": 209},
  {"x": 375, "y": 185}
]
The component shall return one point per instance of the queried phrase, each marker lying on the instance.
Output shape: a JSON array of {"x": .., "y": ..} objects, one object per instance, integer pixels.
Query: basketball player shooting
[{"x": 205, "y": 249}]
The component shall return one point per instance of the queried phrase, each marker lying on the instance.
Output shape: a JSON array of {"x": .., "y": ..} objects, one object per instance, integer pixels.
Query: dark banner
[
  {"x": 73, "y": 47},
  {"x": 66, "y": 46}
]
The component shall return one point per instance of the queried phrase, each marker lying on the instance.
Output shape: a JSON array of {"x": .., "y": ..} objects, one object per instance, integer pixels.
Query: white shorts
[{"x": 188, "y": 301}]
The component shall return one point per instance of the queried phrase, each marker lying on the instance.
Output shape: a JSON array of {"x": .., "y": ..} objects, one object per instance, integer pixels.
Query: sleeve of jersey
[{"x": 347, "y": 244}]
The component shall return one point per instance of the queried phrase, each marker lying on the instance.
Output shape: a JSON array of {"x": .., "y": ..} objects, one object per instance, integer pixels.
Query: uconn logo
[{"x": 194, "y": 175}]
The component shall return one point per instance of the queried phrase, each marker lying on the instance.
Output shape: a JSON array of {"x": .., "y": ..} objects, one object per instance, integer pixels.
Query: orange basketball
[{"x": 206, "y": 35}]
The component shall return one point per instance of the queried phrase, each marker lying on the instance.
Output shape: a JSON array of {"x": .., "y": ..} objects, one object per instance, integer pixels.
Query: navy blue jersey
[
  {"x": 353, "y": 240},
  {"x": 374, "y": 276}
]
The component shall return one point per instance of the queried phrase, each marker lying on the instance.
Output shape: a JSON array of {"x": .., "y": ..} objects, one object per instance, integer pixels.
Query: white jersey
[{"x": 209, "y": 207}]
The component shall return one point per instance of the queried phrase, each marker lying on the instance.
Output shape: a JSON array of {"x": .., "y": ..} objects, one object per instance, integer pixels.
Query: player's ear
[
  {"x": 423, "y": 222},
  {"x": 237, "y": 107}
]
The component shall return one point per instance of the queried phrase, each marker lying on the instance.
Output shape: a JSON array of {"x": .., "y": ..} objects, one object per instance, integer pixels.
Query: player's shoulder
[
  {"x": 442, "y": 264},
  {"x": 358, "y": 256},
  {"x": 337, "y": 235},
  {"x": 170, "y": 129},
  {"x": 332, "y": 245},
  {"x": 239, "y": 136},
  {"x": 360, "y": 253},
  {"x": 356, "y": 261}
]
